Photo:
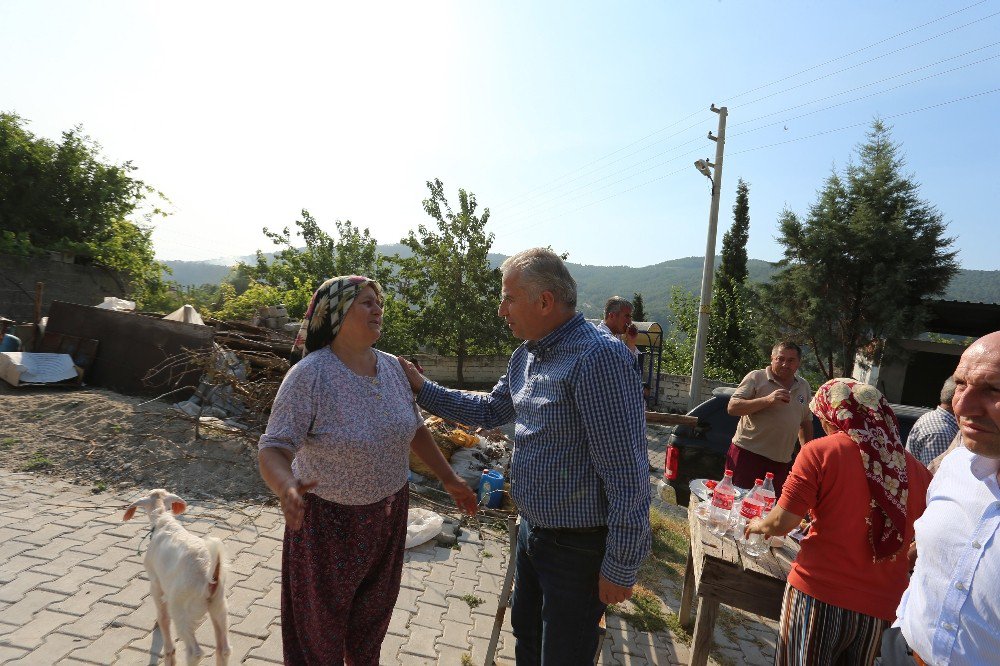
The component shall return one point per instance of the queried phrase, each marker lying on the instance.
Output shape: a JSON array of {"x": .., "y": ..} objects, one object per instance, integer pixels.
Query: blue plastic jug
[{"x": 491, "y": 488}]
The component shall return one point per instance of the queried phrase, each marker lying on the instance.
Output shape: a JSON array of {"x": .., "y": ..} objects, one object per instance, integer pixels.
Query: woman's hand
[
  {"x": 464, "y": 498},
  {"x": 292, "y": 503},
  {"x": 753, "y": 527}
]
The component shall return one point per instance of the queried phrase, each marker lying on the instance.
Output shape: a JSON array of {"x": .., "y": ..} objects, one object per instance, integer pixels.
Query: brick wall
[
  {"x": 484, "y": 371},
  {"x": 72, "y": 283}
]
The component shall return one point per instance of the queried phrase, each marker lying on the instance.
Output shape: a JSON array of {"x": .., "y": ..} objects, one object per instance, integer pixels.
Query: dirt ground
[{"x": 105, "y": 440}]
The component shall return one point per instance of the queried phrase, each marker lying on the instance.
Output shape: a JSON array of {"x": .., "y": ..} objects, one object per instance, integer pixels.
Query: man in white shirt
[{"x": 950, "y": 612}]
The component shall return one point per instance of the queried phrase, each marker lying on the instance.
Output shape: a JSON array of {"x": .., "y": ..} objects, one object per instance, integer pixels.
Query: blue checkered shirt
[
  {"x": 931, "y": 435},
  {"x": 580, "y": 456}
]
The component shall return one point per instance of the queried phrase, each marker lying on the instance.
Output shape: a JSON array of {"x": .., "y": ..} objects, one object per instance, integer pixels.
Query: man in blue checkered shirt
[
  {"x": 580, "y": 471},
  {"x": 933, "y": 432}
]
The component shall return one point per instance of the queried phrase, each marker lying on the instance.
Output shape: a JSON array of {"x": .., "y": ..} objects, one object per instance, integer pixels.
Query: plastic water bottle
[
  {"x": 722, "y": 505},
  {"x": 767, "y": 492},
  {"x": 752, "y": 507}
]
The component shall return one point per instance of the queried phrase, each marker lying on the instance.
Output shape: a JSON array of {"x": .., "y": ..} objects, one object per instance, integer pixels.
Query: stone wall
[
  {"x": 72, "y": 283},
  {"x": 484, "y": 371},
  {"x": 478, "y": 371}
]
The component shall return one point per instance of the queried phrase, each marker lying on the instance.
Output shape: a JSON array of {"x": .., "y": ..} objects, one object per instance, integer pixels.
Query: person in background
[
  {"x": 579, "y": 475},
  {"x": 336, "y": 453},
  {"x": 618, "y": 323},
  {"x": 934, "y": 431},
  {"x": 773, "y": 406},
  {"x": 8, "y": 342},
  {"x": 951, "y": 610},
  {"x": 864, "y": 492}
]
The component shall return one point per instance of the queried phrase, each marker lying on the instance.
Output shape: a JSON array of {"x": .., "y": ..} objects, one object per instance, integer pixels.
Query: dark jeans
[{"x": 556, "y": 608}]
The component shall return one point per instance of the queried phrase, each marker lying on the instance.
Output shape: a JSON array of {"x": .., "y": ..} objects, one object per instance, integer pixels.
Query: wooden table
[{"x": 719, "y": 572}]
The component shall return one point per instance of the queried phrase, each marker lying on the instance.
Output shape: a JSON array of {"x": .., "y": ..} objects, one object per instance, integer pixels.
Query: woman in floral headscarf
[
  {"x": 864, "y": 491},
  {"x": 336, "y": 453}
]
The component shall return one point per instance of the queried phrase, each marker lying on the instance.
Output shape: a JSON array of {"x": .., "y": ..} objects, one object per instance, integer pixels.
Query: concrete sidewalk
[{"x": 73, "y": 589}]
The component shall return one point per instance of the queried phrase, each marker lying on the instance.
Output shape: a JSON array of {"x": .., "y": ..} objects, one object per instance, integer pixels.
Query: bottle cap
[
  {"x": 758, "y": 482},
  {"x": 769, "y": 475},
  {"x": 729, "y": 472}
]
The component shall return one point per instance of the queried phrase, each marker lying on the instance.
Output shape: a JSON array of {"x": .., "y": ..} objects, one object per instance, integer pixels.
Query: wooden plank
[
  {"x": 704, "y": 627},
  {"x": 734, "y": 587},
  {"x": 671, "y": 419},
  {"x": 687, "y": 594}
]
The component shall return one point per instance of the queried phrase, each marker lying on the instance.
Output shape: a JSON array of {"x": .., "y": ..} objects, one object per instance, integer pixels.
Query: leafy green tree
[
  {"x": 449, "y": 275},
  {"x": 857, "y": 269},
  {"x": 731, "y": 347},
  {"x": 64, "y": 197},
  {"x": 295, "y": 272},
  {"x": 638, "y": 309}
]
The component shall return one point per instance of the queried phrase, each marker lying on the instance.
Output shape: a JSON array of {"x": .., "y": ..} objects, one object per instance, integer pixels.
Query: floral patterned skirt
[{"x": 340, "y": 577}]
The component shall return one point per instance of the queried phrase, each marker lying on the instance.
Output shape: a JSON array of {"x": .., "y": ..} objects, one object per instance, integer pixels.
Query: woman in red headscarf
[{"x": 864, "y": 492}]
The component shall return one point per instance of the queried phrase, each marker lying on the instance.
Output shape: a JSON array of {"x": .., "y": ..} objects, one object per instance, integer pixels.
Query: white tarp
[
  {"x": 31, "y": 368},
  {"x": 115, "y": 303},
  {"x": 186, "y": 314}
]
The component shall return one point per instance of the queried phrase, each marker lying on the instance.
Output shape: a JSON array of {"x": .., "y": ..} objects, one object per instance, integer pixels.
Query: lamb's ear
[
  {"x": 129, "y": 512},
  {"x": 177, "y": 505}
]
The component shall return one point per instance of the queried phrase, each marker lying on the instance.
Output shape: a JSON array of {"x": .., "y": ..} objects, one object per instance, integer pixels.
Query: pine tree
[{"x": 857, "y": 269}]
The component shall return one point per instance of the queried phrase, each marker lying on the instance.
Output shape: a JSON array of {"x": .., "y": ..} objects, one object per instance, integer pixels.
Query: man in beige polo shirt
[{"x": 773, "y": 406}]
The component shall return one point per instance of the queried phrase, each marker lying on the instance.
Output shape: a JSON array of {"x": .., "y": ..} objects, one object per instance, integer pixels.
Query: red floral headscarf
[{"x": 862, "y": 412}]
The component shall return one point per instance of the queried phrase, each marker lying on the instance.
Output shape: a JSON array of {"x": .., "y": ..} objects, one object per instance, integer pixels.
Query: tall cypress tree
[
  {"x": 638, "y": 309},
  {"x": 731, "y": 349}
]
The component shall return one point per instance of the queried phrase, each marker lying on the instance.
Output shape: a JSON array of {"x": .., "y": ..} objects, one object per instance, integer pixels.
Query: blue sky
[{"x": 576, "y": 123}]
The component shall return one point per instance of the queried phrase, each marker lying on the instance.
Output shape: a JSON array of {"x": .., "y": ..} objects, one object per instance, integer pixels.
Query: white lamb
[{"x": 187, "y": 578}]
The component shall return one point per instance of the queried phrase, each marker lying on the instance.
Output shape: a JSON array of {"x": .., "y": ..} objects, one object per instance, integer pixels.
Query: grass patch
[
  {"x": 117, "y": 428},
  {"x": 472, "y": 600},
  {"x": 37, "y": 463},
  {"x": 466, "y": 659},
  {"x": 669, "y": 553},
  {"x": 487, "y": 554},
  {"x": 644, "y": 611},
  {"x": 99, "y": 487},
  {"x": 7, "y": 443}
]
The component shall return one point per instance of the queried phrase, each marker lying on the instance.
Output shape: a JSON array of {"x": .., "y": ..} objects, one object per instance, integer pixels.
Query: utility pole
[{"x": 708, "y": 273}]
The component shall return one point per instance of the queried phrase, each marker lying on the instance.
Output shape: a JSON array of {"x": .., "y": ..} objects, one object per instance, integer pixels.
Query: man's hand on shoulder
[
  {"x": 412, "y": 373},
  {"x": 611, "y": 593}
]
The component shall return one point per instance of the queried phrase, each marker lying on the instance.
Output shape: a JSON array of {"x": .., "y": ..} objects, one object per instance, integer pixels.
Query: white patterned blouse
[{"x": 350, "y": 433}]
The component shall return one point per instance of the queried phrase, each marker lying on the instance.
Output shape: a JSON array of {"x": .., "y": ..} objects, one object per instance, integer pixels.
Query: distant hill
[{"x": 597, "y": 283}]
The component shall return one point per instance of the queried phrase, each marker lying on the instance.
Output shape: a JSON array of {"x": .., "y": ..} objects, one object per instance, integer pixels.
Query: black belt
[{"x": 576, "y": 530}]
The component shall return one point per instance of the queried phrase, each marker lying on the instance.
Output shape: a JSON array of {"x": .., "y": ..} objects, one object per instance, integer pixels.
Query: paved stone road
[{"x": 73, "y": 589}]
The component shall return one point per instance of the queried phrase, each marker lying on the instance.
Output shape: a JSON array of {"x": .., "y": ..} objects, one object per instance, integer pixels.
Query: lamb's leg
[
  {"x": 219, "y": 614},
  {"x": 163, "y": 621},
  {"x": 192, "y": 651}
]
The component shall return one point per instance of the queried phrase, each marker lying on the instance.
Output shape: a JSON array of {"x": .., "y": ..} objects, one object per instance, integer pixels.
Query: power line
[
  {"x": 879, "y": 92},
  {"x": 856, "y": 51},
  {"x": 868, "y": 85},
  {"x": 889, "y": 117},
  {"x": 747, "y": 150},
  {"x": 539, "y": 209},
  {"x": 870, "y": 60},
  {"x": 554, "y": 183}
]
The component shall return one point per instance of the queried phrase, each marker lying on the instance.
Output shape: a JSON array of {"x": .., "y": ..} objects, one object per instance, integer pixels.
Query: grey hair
[
  {"x": 615, "y": 305},
  {"x": 948, "y": 391},
  {"x": 541, "y": 269}
]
